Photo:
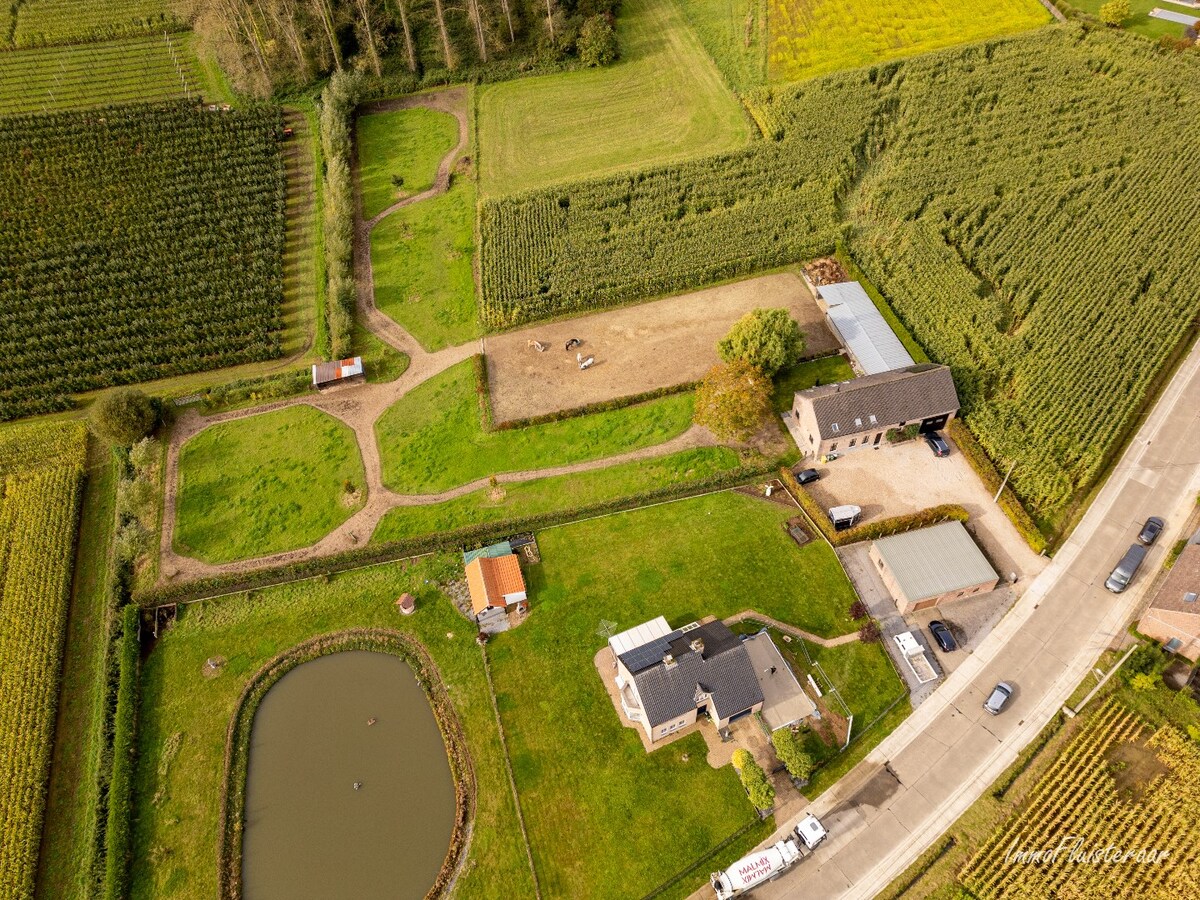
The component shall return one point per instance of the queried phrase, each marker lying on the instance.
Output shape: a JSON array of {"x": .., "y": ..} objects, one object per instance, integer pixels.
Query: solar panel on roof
[{"x": 647, "y": 655}]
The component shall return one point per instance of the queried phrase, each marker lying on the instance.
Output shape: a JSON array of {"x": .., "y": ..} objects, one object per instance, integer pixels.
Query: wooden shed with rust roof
[{"x": 495, "y": 582}]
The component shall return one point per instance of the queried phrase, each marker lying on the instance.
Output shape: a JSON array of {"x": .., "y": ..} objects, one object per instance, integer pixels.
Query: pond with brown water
[{"x": 349, "y": 792}]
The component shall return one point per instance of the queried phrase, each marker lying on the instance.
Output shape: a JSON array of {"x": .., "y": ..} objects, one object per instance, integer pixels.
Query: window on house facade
[
  {"x": 832, "y": 447},
  {"x": 851, "y": 442}
]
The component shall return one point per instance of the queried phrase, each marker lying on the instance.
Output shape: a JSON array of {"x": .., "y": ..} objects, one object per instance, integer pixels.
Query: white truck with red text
[{"x": 758, "y": 868}]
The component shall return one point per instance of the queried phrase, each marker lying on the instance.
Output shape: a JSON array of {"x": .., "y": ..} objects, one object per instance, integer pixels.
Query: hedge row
[
  {"x": 257, "y": 390},
  {"x": 467, "y": 536},
  {"x": 118, "y": 835},
  {"x": 237, "y": 744},
  {"x": 870, "y": 530},
  {"x": 982, "y": 464},
  {"x": 483, "y": 390},
  {"x": 337, "y": 114}
]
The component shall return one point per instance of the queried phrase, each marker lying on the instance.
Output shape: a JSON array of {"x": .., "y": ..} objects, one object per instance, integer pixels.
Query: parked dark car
[
  {"x": 937, "y": 444},
  {"x": 941, "y": 634},
  {"x": 1126, "y": 569},
  {"x": 1151, "y": 530},
  {"x": 807, "y": 476},
  {"x": 998, "y": 698}
]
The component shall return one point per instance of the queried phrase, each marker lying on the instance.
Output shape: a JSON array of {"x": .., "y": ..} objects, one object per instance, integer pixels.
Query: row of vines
[
  {"x": 1026, "y": 206},
  {"x": 1080, "y": 807},
  {"x": 41, "y": 23},
  {"x": 136, "y": 242},
  {"x": 38, "y": 519}
]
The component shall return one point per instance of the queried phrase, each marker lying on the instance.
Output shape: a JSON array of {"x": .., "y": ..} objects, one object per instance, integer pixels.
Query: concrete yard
[
  {"x": 905, "y": 478},
  {"x": 637, "y": 348}
]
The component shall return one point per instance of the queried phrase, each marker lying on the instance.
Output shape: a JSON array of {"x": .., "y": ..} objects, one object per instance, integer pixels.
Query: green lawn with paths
[
  {"x": 433, "y": 438},
  {"x": 1139, "y": 21},
  {"x": 177, "y": 798},
  {"x": 265, "y": 484},
  {"x": 564, "y": 492},
  {"x": 405, "y": 143},
  {"x": 587, "y": 785},
  {"x": 422, "y": 262},
  {"x": 663, "y": 100},
  {"x": 826, "y": 370}
]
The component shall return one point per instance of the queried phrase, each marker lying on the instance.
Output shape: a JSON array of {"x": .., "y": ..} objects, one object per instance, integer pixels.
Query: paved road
[{"x": 912, "y": 787}]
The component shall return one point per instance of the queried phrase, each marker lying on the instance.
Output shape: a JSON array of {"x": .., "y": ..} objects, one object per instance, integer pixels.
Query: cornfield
[
  {"x": 1026, "y": 206},
  {"x": 136, "y": 242},
  {"x": 1079, "y": 808},
  {"x": 38, "y": 517}
]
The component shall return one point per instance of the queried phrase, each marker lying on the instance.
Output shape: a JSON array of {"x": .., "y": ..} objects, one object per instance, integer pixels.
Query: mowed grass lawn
[
  {"x": 605, "y": 818},
  {"x": 433, "y": 439},
  {"x": 564, "y": 492},
  {"x": 815, "y": 37},
  {"x": 1139, "y": 20},
  {"x": 663, "y": 100},
  {"x": 178, "y": 795},
  {"x": 421, "y": 257},
  {"x": 406, "y": 144},
  {"x": 800, "y": 377},
  {"x": 265, "y": 484}
]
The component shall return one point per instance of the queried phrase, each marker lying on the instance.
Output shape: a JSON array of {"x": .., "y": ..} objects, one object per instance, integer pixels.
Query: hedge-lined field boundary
[
  {"x": 868, "y": 531},
  {"x": 1008, "y": 502},
  {"x": 237, "y": 744},
  {"x": 467, "y": 536},
  {"x": 118, "y": 834}
]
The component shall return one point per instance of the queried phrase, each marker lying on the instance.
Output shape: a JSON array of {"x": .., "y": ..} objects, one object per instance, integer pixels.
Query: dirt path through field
[{"x": 360, "y": 406}]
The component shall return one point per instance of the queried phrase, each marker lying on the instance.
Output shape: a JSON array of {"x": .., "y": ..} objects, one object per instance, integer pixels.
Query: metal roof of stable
[
  {"x": 864, "y": 331},
  {"x": 933, "y": 561},
  {"x": 338, "y": 370}
]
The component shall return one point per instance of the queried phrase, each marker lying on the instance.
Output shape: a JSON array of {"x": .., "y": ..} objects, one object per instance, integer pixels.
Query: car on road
[
  {"x": 1151, "y": 530},
  {"x": 1126, "y": 568},
  {"x": 808, "y": 476},
  {"x": 998, "y": 698},
  {"x": 937, "y": 444},
  {"x": 941, "y": 634}
]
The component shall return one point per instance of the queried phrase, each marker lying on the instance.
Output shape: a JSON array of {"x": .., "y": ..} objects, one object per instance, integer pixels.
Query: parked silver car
[{"x": 998, "y": 698}]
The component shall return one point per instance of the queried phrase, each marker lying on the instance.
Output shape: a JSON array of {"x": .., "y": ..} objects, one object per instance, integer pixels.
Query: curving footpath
[
  {"x": 923, "y": 776},
  {"x": 360, "y": 407}
]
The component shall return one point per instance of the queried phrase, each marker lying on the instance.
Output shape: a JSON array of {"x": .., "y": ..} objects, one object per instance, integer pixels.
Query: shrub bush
[
  {"x": 733, "y": 400},
  {"x": 754, "y": 780},
  {"x": 768, "y": 339},
  {"x": 597, "y": 42},
  {"x": 790, "y": 751},
  {"x": 124, "y": 416}
]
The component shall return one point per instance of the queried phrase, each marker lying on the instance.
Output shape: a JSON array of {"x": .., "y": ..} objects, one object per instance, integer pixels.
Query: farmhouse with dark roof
[{"x": 665, "y": 677}]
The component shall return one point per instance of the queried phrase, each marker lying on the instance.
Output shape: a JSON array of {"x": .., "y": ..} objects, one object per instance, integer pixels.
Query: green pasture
[
  {"x": 422, "y": 257},
  {"x": 663, "y": 100},
  {"x": 403, "y": 146},
  {"x": 265, "y": 484},
  {"x": 561, "y": 493},
  {"x": 433, "y": 438}
]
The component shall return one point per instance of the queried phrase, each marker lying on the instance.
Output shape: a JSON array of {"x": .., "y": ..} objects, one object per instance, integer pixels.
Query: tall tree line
[{"x": 266, "y": 45}]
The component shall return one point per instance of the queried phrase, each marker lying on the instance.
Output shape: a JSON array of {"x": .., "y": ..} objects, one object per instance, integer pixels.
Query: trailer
[
  {"x": 914, "y": 655},
  {"x": 844, "y": 517},
  {"x": 758, "y": 868}
]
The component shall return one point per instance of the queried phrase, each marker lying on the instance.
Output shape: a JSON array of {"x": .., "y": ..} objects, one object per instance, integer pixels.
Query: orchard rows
[
  {"x": 38, "y": 518},
  {"x": 137, "y": 242},
  {"x": 1077, "y": 799}
]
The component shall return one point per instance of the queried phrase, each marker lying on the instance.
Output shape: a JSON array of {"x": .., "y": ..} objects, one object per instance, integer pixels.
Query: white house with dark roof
[
  {"x": 667, "y": 676},
  {"x": 854, "y": 415}
]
